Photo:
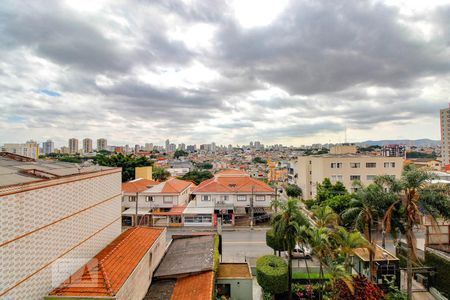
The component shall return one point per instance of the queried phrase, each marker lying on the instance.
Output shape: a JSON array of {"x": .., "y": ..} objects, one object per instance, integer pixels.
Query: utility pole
[
  {"x": 251, "y": 208},
  {"x": 136, "y": 216}
]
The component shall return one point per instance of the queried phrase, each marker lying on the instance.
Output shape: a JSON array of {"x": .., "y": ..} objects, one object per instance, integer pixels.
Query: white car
[{"x": 301, "y": 252}]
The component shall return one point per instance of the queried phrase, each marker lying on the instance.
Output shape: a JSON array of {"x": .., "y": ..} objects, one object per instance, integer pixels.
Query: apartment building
[
  {"x": 346, "y": 166},
  {"x": 29, "y": 149},
  {"x": 445, "y": 135},
  {"x": 54, "y": 218},
  {"x": 48, "y": 147},
  {"x": 87, "y": 145},
  {"x": 73, "y": 146},
  {"x": 102, "y": 144}
]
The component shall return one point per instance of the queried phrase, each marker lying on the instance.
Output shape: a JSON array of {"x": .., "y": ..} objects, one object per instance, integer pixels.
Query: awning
[
  {"x": 132, "y": 212},
  {"x": 191, "y": 209},
  {"x": 174, "y": 211}
]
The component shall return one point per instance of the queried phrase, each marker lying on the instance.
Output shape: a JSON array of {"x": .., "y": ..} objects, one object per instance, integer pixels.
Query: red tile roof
[
  {"x": 232, "y": 184},
  {"x": 105, "y": 274},
  {"x": 176, "y": 185},
  {"x": 231, "y": 172},
  {"x": 199, "y": 287},
  {"x": 174, "y": 211},
  {"x": 138, "y": 185}
]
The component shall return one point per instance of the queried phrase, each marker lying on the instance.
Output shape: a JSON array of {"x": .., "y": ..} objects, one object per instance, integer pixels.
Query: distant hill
[{"x": 418, "y": 143}]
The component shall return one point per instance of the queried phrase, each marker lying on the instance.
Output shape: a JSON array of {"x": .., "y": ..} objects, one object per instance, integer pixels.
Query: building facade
[
  {"x": 73, "y": 146},
  {"x": 346, "y": 168},
  {"x": 54, "y": 217},
  {"x": 445, "y": 135},
  {"x": 29, "y": 149},
  {"x": 87, "y": 146},
  {"x": 102, "y": 144},
  {"x": 48, "y": 147}
]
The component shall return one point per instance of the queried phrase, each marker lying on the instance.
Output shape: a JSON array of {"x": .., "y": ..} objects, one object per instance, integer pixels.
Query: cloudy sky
[{"x": 291, "y": 72}]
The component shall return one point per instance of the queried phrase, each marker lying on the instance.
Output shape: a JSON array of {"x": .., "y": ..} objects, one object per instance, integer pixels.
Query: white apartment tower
[
  {"x": 445, "y": 135},
  {"x": 29, "y": 149},
  {"x": 48, "y": 147},
  {"x": 87, "y": 146},
  {"x": 102, "y": 144},
  {"x": 73, "y": 146}
]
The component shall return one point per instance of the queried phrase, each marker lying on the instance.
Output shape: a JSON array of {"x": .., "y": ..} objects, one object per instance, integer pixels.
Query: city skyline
[{"x": 290, "y": 72}]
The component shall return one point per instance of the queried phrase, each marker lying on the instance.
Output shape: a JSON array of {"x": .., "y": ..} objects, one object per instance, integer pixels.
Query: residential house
[
  {"x": 228, "y": 193},
  {"x": 122, "y": 270}
]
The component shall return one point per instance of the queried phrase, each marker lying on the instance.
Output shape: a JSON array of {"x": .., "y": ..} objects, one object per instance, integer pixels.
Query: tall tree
[
  {"x": 417, "y": 197},
  {"x": 287, "y": 226}
]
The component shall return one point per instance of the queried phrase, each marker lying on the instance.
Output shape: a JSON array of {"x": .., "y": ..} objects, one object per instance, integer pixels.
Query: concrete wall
[
  {"x": 241, "y": 289},
  {"x": 139, "y": 281},
  {"x": 56, "y": 227},
  {"x": 216, "y": 200}
]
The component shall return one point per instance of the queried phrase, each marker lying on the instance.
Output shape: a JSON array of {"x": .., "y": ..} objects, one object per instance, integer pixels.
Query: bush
[
  {"x": 310, "y": 203},
  {"x": 293, "y": 191},
  {"x": 216, "y": 253},
  {"x": 272, "y": 274},
  {"x": 273, "y": 242},
  {"x": 441, "y": 282},
  {"x": 363, "y": 288}
]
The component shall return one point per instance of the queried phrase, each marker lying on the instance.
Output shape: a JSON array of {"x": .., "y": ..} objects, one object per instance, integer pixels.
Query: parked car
[{"x": 301, "y": 252}]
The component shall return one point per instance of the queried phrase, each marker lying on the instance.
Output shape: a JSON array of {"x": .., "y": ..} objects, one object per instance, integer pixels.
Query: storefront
[
  {"x": 129, "y": 216},
  {"x": 198, "y": 216},
  {"x": 170, "y": 218},
  {"x": 224, "y": 215}
]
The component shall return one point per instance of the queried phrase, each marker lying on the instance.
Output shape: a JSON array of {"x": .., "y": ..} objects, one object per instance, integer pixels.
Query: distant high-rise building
[
  {"x": 394, "y": 150},
  {"x": 148, "y": 147},
  {"x": 102, "y": 144},
  {"x": 64, "y": 150},
  {"x": 48, "y": 147},
  {"x": 87, "y": 146},
  {"x": 191, "y": 148},
  {"x": 167, "y": 145},
  {"x": 29, "y": 149},
  {"x": 445, "y": 135},
  {"x": 73, "y": 146},
  {"x": 137, "y": 148},
  {"x": 213, "y": 147},
  {"x": 182, "y": 146},
  {"x": 171, "y": 148}
]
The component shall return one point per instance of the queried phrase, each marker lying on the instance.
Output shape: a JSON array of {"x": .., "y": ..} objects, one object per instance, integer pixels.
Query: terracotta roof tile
[
  {"x": 232, "y": 184},
  {"x": 138, "y": 185},
  {"x": 199, "y": 287},
  {"x": 174, "y": 185},
  {"x": 105, "y": 274}
]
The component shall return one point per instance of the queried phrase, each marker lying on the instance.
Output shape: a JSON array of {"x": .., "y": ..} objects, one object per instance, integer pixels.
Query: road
[{"x": 236, "y": 245}]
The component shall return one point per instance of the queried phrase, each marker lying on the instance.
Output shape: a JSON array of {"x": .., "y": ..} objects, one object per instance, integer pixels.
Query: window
[
  {"x": 335, "y": 178},
  {"x": 392, "y": 164},
  {"x": 206, "y": 197},
  {"x": 355, "y": 177},
  {"x": 224, "y": 198},
  {"x": 370, "y": 177},
  {"x": 150, "y": 264},
  {"x": 371, "y": 165},
  {"x": 355, "y": 165},
  {"x": 131, "y": 198},
  {"x": 386, "y": 165},
  {"x": 149, "y": 199},
  {"x": 260, "y": 198},
  {"x": 336, "y": 165},
  {"x": 241, "y": 198},
  {"x": 167, "y": 199}
]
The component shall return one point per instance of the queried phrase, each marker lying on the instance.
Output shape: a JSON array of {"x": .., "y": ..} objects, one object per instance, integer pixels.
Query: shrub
[
  {"x": 363, "y": 288},
  {"x": 310, "y": 203},
  {"x": 293, "y": 190},
  {"x": 273, "y": 242},
  {"x": 441, "y": 282},
  {"x": 216, "y": 253},
  {"x": 272, "y": 274}
]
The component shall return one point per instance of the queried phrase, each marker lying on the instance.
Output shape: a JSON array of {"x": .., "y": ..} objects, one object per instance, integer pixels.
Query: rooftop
[
  {"x": 232, "y": 184},
  {"x": 138, "y": 185},
  {"x": 198, "y": 286},
  {"x": 380, "y": 254},
  {"x": 187, "y": 255},
  {"x": 170, "y": 186},
  {"x": 105, "y": 274},
  {"x": 19, "y": 170},
  {"x": 234, "y": 271}
]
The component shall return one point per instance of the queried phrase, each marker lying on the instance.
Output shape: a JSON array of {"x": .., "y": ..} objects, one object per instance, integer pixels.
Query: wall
[
  {"x": 241, "y": 291},
  {"x": 232, "y": 200},
  {"x": 71, "y": 221},
  {"x": 136, "y": 286}
]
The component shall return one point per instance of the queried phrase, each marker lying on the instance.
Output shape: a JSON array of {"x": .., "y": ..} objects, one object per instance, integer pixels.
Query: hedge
[
  {"x": 274, "y": 242},
  {"x": 216, "y": 253},
  {"x": 272, "y": 274},
  {"x": 441, "y": 282}
]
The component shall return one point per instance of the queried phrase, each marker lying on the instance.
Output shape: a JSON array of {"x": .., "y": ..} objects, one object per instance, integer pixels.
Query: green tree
[
  {"x": 160, "y": 174},
  {"x": 325, "y": 217},
  {"x": 286, "y": 226},
  {"x": 179, "y": 153},
  {"x": 274, "y": 242},
  {"x": 128, "y": 163},
  {"x": 348, "y": 241},
  {"x": 416, "y": 197},
  {"x": 205, "y": 165},
  {"x": 293, "y": 190},
  {"x": 326, "y": 190},
  {"x": 197, "y": 176},
  {"x": 259, "y": 160},
  {"x": 321, "y": 247},
  {"x": 271, "y": 274}
]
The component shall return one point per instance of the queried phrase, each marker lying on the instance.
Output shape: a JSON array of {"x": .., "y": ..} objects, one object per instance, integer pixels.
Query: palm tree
[
  {"x": 416, "y": 195},
  {"x": 321, "y": 247},
  {"x": 364, "y": 210},
  {"x": 287, "y": 226},
  {"x": 347, "y": 242},
  {"x": 325, "y": 217}
]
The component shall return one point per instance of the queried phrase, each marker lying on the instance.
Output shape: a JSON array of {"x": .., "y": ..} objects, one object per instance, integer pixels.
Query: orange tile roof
[
  {"x": 174, "y": 185},
  {"x": 231, "y": 172},
  {"x": 138, "y": 185},
  {"x": 105, "y": 274},
  {"x": 232, "y": 184},
  {"x": 174, "y": 211},
  {"x": 199, "y": 287}
]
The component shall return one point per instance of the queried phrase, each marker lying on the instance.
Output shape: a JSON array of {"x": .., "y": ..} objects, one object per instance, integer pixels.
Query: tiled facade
[{"x": 70, "y": 221}]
